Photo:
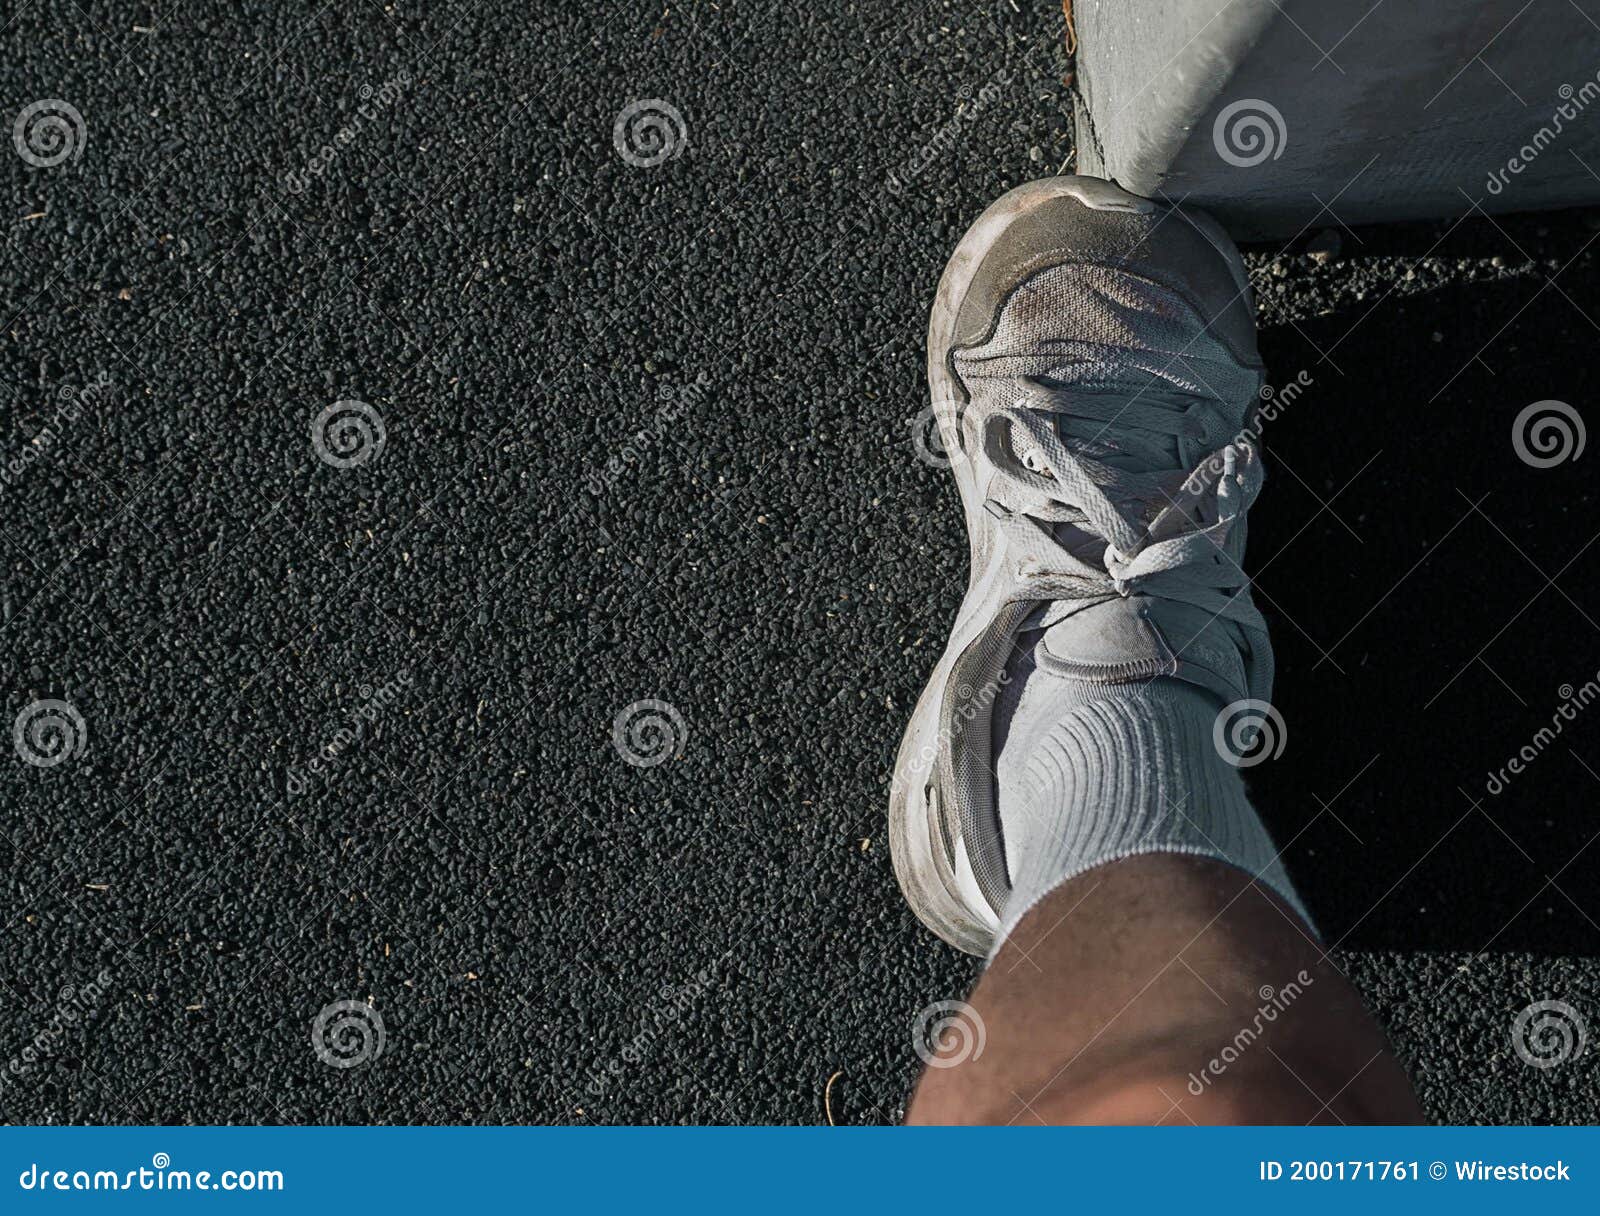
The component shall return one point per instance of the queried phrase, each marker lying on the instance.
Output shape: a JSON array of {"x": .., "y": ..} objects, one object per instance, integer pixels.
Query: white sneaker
[{"x": 1093, "y": 365}]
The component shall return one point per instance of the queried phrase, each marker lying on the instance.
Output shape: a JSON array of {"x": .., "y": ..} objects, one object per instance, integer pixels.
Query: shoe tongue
[
  {"x": 1140, "y": 637},
  {"x": 1105, "y": 635}
]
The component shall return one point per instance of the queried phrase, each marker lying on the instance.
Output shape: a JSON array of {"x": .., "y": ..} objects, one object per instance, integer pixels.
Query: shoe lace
[{"x": 1111, "y": 470}]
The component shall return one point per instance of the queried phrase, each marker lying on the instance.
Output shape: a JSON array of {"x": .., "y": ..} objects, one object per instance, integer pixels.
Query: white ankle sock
[{"x": 1094, "y": 773}]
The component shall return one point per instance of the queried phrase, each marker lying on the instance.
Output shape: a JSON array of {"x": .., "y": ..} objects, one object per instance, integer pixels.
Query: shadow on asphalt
[{"x": 1442, "y": 603}]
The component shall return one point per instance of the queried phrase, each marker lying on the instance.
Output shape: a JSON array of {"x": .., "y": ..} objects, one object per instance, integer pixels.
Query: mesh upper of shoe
[{"x": 1109, "y": 422}]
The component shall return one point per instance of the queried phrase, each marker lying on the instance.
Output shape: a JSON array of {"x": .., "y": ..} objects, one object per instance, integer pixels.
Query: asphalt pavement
[{"x": 625, "y": 400}]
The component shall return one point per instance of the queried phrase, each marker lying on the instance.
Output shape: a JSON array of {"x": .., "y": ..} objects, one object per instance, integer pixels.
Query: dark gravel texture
[{"x": 728, "y": 348}]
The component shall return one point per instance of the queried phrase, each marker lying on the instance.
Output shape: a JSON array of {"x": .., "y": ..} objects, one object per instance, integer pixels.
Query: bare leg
[{"x": 1167, "y": 989}]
